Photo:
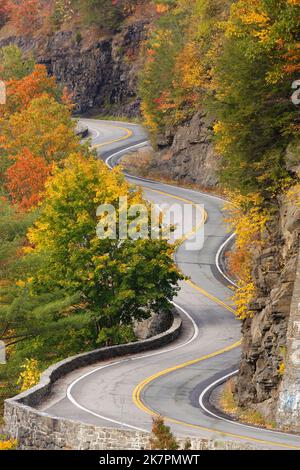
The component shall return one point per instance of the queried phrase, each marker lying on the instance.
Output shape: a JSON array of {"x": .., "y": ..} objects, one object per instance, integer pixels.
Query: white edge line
[
  {"x": 123, "y": 151},
  {"x": 218, "y": 260},
  {"x": 196, "y": 333},
  {"x": 86, "y": 410},
  {"x": 177, "y": 306},
  {"x": 75, "y": 382},
  {"x": 108, "y": 122},
  {"x": 237, "y": 423},
  {"x": 94, "y": 131},
  {"x": 210, "y": 386}
]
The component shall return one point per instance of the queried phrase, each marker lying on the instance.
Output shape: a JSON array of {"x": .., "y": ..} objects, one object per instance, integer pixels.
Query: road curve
[{"x": 171, "y": 380}]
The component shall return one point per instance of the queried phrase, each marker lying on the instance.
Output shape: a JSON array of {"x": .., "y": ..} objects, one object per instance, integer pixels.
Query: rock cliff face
[
  {"x": 288, "y": 405},
  {"x": 265, "y": 335},
  {"x": 186, "y": 154},
  {"x": 102, "y": 74}
]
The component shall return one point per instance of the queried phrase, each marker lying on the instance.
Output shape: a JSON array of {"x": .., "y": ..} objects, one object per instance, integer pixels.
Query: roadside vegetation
[
  {"x": 137, "y": 162},
  {"x": 229, "y": 405},
  {"x": 162, "y": 438},
  {"x": 236, "y": 61},
  {"x": 63, "y": 290},
  {"x": 7, "y": 444}
]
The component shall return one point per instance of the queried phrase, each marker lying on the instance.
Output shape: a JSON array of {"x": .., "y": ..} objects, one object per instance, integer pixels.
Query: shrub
[
  {"x": 162, "y": 438},
  {"x": 30, "y": 375}
]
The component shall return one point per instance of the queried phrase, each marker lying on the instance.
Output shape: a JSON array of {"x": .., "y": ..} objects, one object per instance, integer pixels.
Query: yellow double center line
[
  {"x": 141, "y": 386},
  {"x": 128, "y": 134},
  {"x": 136, "y": 396}
]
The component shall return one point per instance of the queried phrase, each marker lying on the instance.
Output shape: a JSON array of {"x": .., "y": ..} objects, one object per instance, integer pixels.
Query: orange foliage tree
[
  {"x": 26, "y": 179},
  {"x": 36, "y": 130},
  {"x": 21, "y": 92}
]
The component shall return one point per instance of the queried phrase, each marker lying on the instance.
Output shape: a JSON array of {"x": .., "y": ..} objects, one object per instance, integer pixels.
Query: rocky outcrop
[
  {"x": 186, "y": 154},
  {"x": 288, "y": 408},
  {"x": 265, "y": 334},
  {"x": 155, "y": 325},
  {"x": 102, "y": 74}
]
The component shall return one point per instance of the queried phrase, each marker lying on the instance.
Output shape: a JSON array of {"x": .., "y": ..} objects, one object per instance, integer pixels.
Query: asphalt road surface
[{"x": 169, "y": 381}]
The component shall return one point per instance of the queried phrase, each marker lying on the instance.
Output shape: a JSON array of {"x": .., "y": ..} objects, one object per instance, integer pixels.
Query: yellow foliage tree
[
  {"x": 45, "y": 128},
  {"x": 30, "y": 375},
  {"x": 248, "y": 220},
  {"x": 10, "y": 444}
]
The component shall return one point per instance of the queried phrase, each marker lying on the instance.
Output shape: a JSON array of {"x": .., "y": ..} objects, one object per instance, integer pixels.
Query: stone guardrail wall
[
  {"x": 40, "y": 431},
  {"x": 25, "y": 423},
  {"x": 36, "y": 430}
]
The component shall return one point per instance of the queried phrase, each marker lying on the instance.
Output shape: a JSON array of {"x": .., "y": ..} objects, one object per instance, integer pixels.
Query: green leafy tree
[
  {"x": 120, "y": 281},
  {"x": 44, "y": 325},
  {"x": 22, "y": 314},
  {"x": 252, "y": 81},
  {"x": 13, "y": 65}
]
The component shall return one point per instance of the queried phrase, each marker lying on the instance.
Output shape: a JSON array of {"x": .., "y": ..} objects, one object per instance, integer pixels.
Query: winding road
[{"x": 173, "y": 381}]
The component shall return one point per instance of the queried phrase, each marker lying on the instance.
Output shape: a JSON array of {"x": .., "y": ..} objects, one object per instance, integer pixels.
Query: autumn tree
[
  {"x": 21, "y": 90},
  {"x": 179, "y": 59},
  {"x": 159, "y": 101},
  {"x": 252, "y": 82},
  {"x": 26, "y": 178},
  {"x": 45, "y": 128},
  {"x": 36, "y": 128},
  {"x": 118, "y": 281},
  {"x": 162, "y": 437},
  {"x": 237, "y": 60}
]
